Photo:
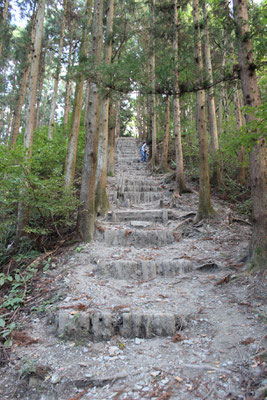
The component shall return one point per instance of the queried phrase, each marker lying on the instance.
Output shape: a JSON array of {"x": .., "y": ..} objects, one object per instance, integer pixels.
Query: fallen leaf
[
  {"x": 21, "y": 338},
  {"x": 178, "y": 378},
  {"x": 128, "y": 232},
  {"x": 226, "y": 279},
  {"x": 248, "y": 341},
  {"x": 100, "y": 228},
  {"x": 177, "y": 338}
]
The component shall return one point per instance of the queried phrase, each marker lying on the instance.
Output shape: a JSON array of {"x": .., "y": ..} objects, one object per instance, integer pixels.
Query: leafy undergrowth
[{"x": 25, "y": 287}]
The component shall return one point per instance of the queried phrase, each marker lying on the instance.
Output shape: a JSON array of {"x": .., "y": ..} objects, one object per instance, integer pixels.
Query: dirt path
[{"x": 155, "y": 308}]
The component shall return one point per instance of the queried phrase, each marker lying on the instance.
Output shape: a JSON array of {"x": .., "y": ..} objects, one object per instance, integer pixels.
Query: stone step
[
  {"x": 136, "y": 237},
  {"x": 139, "y": 197},
  {"x": 143, "y": 269},
  {"x": 138, "y": 186},
  {"x": 138, "y": 215},
  {"x": 101, "y": 326}
]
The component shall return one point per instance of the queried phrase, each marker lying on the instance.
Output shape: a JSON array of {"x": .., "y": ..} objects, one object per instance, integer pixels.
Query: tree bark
[
  {"x": 40, "y": 89},
  {"x": 111, "y": 139},
  {"x": 22, "y": 88},
  {"x": 164, "y": 167},
  {"x": 18, "y": 108},
  {"x": 205, "y": 209},
  {"x": 180, "y": 181},
  {"x": 8, "y": 124},
  {"x": 68, "y": 87},
  {"x": 70, "y": 162},
  {"x": 86, "y": 215},
  {"x": 58, "y": 68},
  {"x": 154, "y": 155},
  {"x": 102, "y": 202},
  {"x": 217, "y": 173},
  {"x": 3, "y": 22},
  {"x": 30, "y": 112},
  {"x": 118, "y": 121},
  {"x": 241, "y": 171},
  {"x": 229, "y": 44},
  {"x": 258, "y": 155}
]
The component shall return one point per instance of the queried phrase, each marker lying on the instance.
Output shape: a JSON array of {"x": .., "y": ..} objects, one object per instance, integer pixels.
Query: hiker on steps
[{"x": 143, "y": 150}]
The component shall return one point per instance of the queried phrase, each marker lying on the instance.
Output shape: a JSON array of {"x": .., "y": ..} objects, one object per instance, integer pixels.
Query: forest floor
[{"x": 157, "y": 307}]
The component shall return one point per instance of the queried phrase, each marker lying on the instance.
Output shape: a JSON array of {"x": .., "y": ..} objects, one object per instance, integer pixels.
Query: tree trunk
[
  {"x": 241, "y": 174},
  {"x": 30, "y": 112},
  {"x": 258, "y": 155},
  {"x": 154, "y": 155},
  {"x": 164, "y": 167},
  {"x": 118, "y": 120},
  {"x": 8, "y": 124},
  {"x": 229, "y": 44},
  {"x": 58, "y": 68},
  {"x": 68, "y": 88},
  {"x": 40, "y": 89},
  {"x": 217, "y": 173},
  {"x": 18, "y": 108},
  {"x": 86, "y": 215},
  {"x": 3, "y": 23},
  {"x": 111, "y": 139},
  {"x": 22, "y": 88},
  {"x": 205, "y": 209},
  {"x": 102, "y": 202},
  {"x": 70, "y": 162},
  {"x": 180, "y": 181}
]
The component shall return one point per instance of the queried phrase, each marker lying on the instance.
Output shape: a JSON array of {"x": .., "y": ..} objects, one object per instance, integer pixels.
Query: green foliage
[
  {"x": 249, "y": 134},
  {"x": 39, "y": 184}
]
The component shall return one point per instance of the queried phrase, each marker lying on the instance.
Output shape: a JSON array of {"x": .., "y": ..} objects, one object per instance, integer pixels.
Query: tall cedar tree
[
  {"x": 86, "y": 215},
  {"x": 102, "y": 203},
  {"x": 258, "y": 155},
  {"x": 30, "y": 113},
  {"x": 70, "y": 162},
  {"x": 205, "y": 209}
]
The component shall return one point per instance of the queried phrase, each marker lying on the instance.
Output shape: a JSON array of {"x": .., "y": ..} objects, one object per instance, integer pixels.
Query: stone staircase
[
  {"x": 136, "y": 224},
  {"x": 146, "y": 311}
]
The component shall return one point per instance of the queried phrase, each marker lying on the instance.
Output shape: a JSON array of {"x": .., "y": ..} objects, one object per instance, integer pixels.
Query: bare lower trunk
[
  {"x": 205, "y": 209},
  {"x": 154, "y": 155},
  {"x": 118, "y": 121},
  {"x": 111, "y": 139},
  {"x": 217, "y": 174},
  {"x": 229, "y": 44},
  {"x": 70, "y": 162},
  {"x": 30, "y": 112},
  {"x": 3, "y": 22},
  {"x": 86, "y": 215},
  {"x": 68, "y": 88},
  {"x": 164, "y": 159},
  {"x": 258, "y": 156},
  {"x": 58, "y": 68},
  {"x": 40, "y": 90},
  {"x": 239, "y": 123},
  {"x": 102, "y": 202},
  {"x": 18, "y": 107},
  {"x": 139, "y": 119},
  {"x": 8, "y": 125},
  {"x": 179, "y": 158}
]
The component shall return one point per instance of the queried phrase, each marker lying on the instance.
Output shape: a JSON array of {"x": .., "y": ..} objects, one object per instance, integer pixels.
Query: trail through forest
[{"x": 157, "y": 307}]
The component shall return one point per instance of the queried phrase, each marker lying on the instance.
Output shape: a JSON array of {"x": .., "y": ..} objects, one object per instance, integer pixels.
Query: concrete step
[
  {"x": 136, "y": 237},
  {"x": 139, "y": 197},
  {"x": 143, "y": 269},
  {"x": 138, "y": 186},
  {"x": 138, "y": 215},
  {"x": 101, "y": 326}
]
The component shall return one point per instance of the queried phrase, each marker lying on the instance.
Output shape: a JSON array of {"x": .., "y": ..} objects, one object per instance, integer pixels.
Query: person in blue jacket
[{"x": 143, "y": 150}]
